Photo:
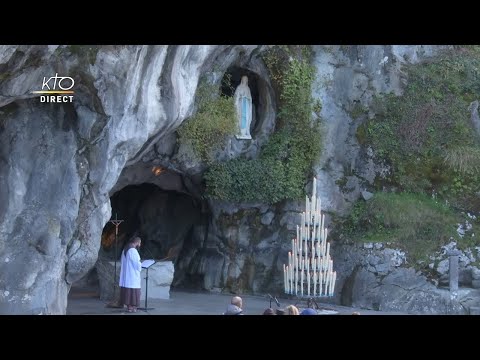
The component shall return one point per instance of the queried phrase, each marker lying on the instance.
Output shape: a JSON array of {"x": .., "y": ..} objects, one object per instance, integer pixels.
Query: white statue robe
[
  {"x": 131, "y": 266},
  {"x": 243, "y": 105}
]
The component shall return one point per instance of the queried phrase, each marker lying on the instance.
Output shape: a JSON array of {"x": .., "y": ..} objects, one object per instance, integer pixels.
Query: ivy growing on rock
[
  {"x": 280, "y": 172},
  {"x": 214, "y": 121}
]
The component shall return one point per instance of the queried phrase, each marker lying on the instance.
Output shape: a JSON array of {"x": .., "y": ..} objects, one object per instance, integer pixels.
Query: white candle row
[{"x": 317, "y": 284}]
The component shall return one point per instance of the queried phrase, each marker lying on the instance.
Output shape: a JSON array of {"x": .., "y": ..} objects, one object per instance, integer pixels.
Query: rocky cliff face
[{"x": 60, "y": 163}]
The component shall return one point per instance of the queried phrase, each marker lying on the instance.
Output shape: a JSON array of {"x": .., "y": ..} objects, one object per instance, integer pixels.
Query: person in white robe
[{"x": 130, "y": 280}]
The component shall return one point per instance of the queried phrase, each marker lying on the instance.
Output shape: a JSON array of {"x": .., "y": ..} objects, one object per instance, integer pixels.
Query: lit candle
[
  {"x": 314, "y": 191},
  {"x": 291, "y": 280},
  {"x": 301, "y": 277},
  {"x": 330, "y": 278},
  {"x": 287, "y": 283},
  {"x": 309, "y": 231},
  {"x": 320, "y": 279},
  {"x": 326, "y": 278},
  {"x": 308, "y": 283},
  {"x": 312, "y": 206},
  {"x": 312, "y": 247},
  {"x": 333, "y": 281},
  {"x": 296, "y": 281}
]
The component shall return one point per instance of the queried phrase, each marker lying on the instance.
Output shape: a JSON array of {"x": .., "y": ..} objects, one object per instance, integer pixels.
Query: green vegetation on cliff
[
  {"x": 414, "y": 222},
  {"x": 427, "y": 138},
  {"x": 214, "y": 121},
  {"x": 426, "y": 135},
  {"x": 281, "y": 170}
]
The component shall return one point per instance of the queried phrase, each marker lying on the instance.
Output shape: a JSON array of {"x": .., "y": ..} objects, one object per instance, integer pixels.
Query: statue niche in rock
[{"x": 243, "y": 105}]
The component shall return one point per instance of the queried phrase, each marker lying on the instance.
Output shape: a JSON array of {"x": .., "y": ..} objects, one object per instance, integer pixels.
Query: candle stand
[{"x": 309, "y": 274}]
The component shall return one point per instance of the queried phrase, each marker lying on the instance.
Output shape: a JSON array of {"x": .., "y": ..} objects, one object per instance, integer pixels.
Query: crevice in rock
[{"x": 346, "y": 294}]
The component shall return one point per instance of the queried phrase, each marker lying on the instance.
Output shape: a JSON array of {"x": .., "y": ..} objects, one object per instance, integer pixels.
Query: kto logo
[{"x": 56, "y": 89}]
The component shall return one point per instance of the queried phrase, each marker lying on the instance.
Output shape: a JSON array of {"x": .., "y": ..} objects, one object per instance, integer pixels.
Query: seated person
[
  {"x": 269, "y": 311},
  {"x": 235, "y": 307},
  {"x": 291, "y": 310},
  {"x": 309, "y": 311}
]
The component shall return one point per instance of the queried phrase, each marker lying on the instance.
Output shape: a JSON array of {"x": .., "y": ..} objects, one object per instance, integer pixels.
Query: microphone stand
[
  {"x": 273, "y": 299},
  {"x": 146, "y": 308}
]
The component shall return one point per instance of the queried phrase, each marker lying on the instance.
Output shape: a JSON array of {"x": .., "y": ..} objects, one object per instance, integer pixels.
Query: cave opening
[
  {"x": 167, "y": 221},
  {"x": 163, "y": 219}
]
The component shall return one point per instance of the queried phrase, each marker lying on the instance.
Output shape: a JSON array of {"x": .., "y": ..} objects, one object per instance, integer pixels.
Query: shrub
[
  {"x": 214, "y": 121},
  {"x": 415, "y": 222}
]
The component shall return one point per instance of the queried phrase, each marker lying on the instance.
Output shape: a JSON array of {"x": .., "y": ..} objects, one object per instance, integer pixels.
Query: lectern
[{"x": 146, "y": 265}]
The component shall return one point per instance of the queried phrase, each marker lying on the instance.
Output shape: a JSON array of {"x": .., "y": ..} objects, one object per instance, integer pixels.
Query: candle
[
  {"x": 312, "y": 206},
  {"x": 327, "y": 282},
  {"x": 308, "y": 283},
  {"x": 333, "y": 281},
  {"x": 309, "y": 231},
  {"x": 314, "y": 191},
  {"x": 301, "y": 277},
  {"x": 298, "y": 232},
  {"x": 291, "y": 280},
  {"x": 312, "y": 248},
  {"x": 320, "y": 279},
  {"x": 287, "y": 279},
  {"x": 284, "y": 278},
  {"x": 307, "y": 203},
  {"x": 296, "y": 281},
  {"x": 330, "y": 277}
]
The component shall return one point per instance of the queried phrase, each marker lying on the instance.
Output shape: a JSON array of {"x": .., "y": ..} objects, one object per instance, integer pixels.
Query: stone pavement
[{"x": 194, "y": 303}]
